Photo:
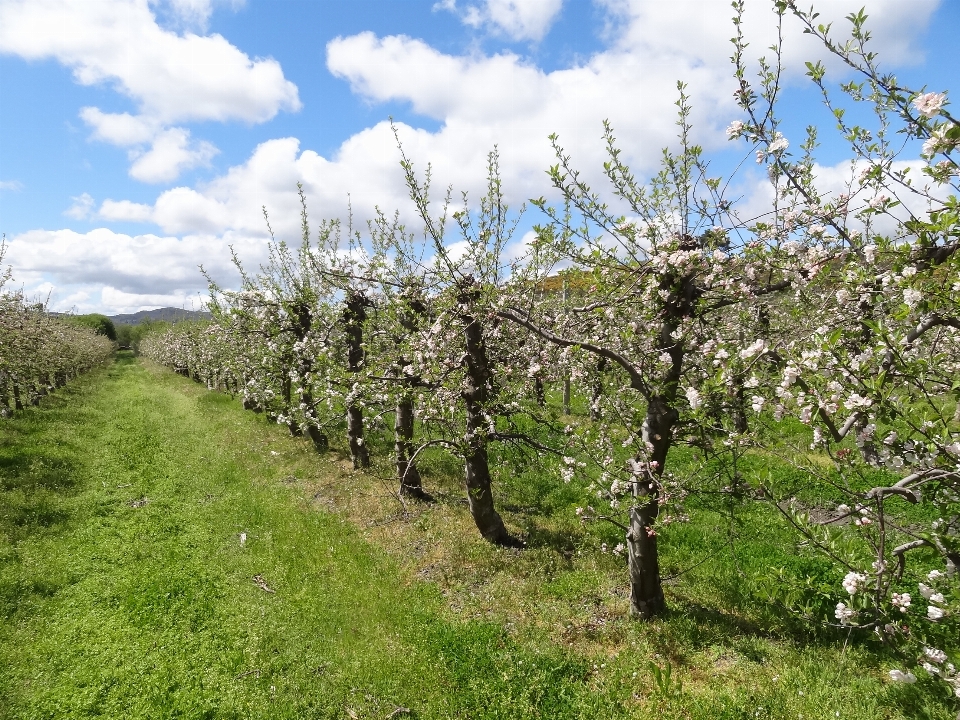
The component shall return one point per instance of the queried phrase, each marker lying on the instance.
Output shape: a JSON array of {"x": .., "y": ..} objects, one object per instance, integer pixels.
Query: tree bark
[
  {"x": 646, "y": 590},
  {"x": 320, "y": 441},
  {"x": 597, "y": 389},
  {"x": 354, "y": 315},
  {"x": 5, "y": 410},
  {"x": 411, "y": 483},
  {"x": 478, "y": 385}
]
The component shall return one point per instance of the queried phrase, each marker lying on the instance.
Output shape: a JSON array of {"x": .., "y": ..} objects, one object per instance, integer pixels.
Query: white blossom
[
  {"x": 901, "y": 601},
  {"x": 844, "y": 614},
  {"x": 929, "y": 104},
  {"x": 779, "y": 144},
  {"x": 735, "y": 129},
  {"x": 903, "y": 677},
  {"x": 911, "y": 297},
  {"x": 758, "y": 347},
  {"x": 852, "y": 580}
]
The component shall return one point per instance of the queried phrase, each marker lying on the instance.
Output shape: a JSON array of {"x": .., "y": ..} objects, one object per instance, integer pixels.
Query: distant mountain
[{"x": 167, "y": 314}]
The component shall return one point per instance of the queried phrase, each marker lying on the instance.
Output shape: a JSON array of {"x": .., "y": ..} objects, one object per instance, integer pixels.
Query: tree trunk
[
  {"x": 480, "y": 497},
  {"x": 740, "y": 423},
  {"x": 407, "y": 473},
  {"x": 285, "y": 391},
  {"x": 358, "y": 448},
  {"x": 597, "y": 389},
  {"x": 17, "y": 400},
  {"x": 319, "y": 440},
  {"x": 646, "y": 591},
  {"x": 476, "y": 392},
  {"x": 5, "y": 410},
  {"x": 353, "y": 318}
]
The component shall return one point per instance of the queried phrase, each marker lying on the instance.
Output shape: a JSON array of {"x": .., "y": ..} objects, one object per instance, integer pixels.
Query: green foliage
[
  {"x": 130, "y": 336},
  {"x": 100, "y": 324}
]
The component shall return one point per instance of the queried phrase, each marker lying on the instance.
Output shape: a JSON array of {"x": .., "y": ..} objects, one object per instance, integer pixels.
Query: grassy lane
[{"x": 125, "y": 591}]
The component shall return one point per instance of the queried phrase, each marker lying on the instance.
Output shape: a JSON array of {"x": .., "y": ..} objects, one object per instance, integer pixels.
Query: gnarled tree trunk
[
  {"x": 354, "y": 315},
  {"x": 410, "y": 482},
  {"x": 476, "y": 392}
]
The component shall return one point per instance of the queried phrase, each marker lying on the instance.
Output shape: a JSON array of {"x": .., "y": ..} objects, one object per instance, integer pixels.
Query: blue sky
[{"x": 140, "y": 138}]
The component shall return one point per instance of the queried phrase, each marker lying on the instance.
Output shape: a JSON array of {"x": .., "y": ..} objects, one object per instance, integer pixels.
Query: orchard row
[
  {"x": 684, "y": 319},
  {"x": 39, "y": 352}
]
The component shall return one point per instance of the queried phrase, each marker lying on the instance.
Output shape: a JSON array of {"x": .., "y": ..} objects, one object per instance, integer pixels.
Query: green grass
[{"x": 125, "y": 591}]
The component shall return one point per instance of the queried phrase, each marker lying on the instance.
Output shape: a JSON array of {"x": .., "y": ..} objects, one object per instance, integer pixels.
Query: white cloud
[
  {"x": 106, "y": 271},
  {"x": 125, "y": 211},
  {"x": 14, "y": 185},
  {"x": 367, "y": 166},
  {"x": 119, "y": 128},
  {"x": 170, "y": 154},
  {"x": 139, "y": 264},
  {"x": 81, "y": 208},
  {"x": 123, "y": 302},
  {"x": 517, "y": 19},
  {"x": 193, "y": 14},
  {"x": 172, "y": 78},
  {"x": 503, "y": 99},
  {"x": 478, "y": 100},
  {"x": 699, "y": 29}
]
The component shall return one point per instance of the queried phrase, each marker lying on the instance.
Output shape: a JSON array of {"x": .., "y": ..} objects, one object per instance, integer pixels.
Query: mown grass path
[{"x": 125, "y": 591}]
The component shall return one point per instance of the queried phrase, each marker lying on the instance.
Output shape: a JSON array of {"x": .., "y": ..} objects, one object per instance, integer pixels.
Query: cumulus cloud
[
  {"x": 124, "y": 302},
  {"x": 831, "y": 181},
  {"x": 703, "y": 29},
  {"x": 119, "y": 128},
  {"x": 517, "y": 19},
  {"x": 479, "y": 101},
  {"x": 172, "y": 78},
  {"x": 503, "y": 99},
  {"x": 145, "y": 266},
  {"x": 81, "y": 208},
  {"x": 170, "y": 153},
  {"x": 125, "y": 211},
  {"x": 190, "y": 13},
  {"x": 369, "y": 166}
]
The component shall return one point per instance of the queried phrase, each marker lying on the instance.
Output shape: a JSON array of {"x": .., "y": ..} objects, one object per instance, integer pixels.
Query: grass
[{"x": 125, "y": 590}]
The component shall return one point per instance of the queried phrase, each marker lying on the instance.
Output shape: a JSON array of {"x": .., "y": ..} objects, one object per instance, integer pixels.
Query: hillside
[{"x": 168, "y": 314}]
